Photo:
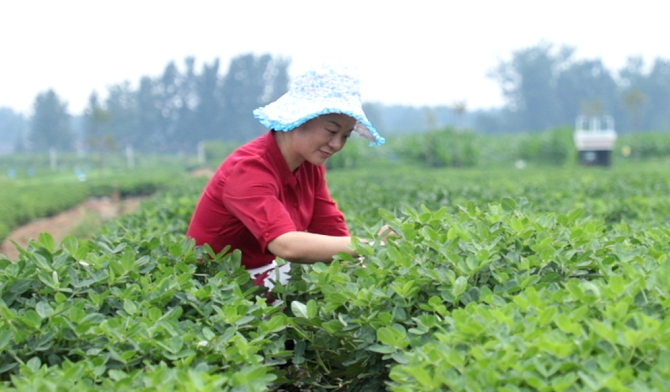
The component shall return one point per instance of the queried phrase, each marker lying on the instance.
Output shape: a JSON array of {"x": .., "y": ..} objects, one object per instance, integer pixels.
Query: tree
[
  {"x": 12, "y": 128},
  {"x": 279, "y": 78},
  {"x": 207, "y": 123},
  {"x": 400, "y": 119},
  {"x": 160, "y": 114},
  {"x": 633, "y": 99},
  {"x": 586, "y": 87},
  {"x": 251, "y": 81},
  {"x": 148, "y": 117},
  {"x": 591, "y": 107},
  {"x": 373, "y": 111},
  {"x": 185, "y": 125},
  {"x": 121, "y": 105},
  {"x": 646, "y": 95},
  {"x": 658, "y": 95},
  {"x": 50, "y": 123},
  {"x": 528, "y": 83},
  {"x": 459, "y": 108},
  {"x": 168, "y": 104},
  {"x": 96, "y": 128}
]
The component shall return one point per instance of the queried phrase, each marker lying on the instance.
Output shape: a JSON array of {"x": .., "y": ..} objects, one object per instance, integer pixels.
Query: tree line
[
  {"x": 544, "y": 86},
  {"x": 172, "y": 112},
  {"x": 180, "y": 108}
]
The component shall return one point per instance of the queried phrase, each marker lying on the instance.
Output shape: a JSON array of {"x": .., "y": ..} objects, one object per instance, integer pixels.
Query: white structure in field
[{"x": 595, "y": 139}]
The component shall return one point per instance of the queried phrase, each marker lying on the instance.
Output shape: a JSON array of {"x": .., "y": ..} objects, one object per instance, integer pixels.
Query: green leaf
[
  {"x": 70, "y": 243},
  {"x": 604, "y": 330},
  {"x": 299, "y": 309},
  {"x": 129, "y": 306},
  {"x": 46, "y": 241},
  {"x": 34, "y": 364},
  {"x": 566, "y": 325},
  {"x": 576, "y": 214},
  {"x": 41, "y": 262},
  {"x": 483, "y": 255},
  {"x": 547, "y": 315},
  {"x": 32, "y": 319},
  {"x": 382, "y": 348},
  {"x": 319, "y": 267},
  {"x": 175, "y": 250},
  {"x": 386, "y": 215},
  {"x": 392, "y": 337},
  {"x": 116, "y": 266},
  {"x": 332, "y": 326},
  {"x": 8, "y": 366},
  {"x": 154, "y": 314},
  {"x": 47, "y": 279},
  {"x": 400, "y": 357},
  {"x": 277, "y": 323},
  {"x": 516, "y": 224},
  {"x": 563, "y": 382},
  {"x": 662, "y": 275},
  {"x": 208, "y": 334},
  {"x": 6, "y": 336},
  {"x": 299, "y": 352},
  {"x": 616, "y": 284},
  {"x": 43, "y": 309},
  {"x": 312, "y": 308},
  {"x": 81, "y": 252},
  {"x": 460, "y": 285},
  {"x": 409, "y": 231},
  {"x": 245, "y": 320},
  {"x": 128, "y": 261},
  {"x": 20, "y": 286},
  {"x": 508, "y": 204},
  {"x": 117, "y": 375},
  {"x": 422, "y": 376}
]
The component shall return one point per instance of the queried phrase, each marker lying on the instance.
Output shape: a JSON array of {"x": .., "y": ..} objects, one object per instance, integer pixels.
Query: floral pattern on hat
[{"x": 321, "y": 89}]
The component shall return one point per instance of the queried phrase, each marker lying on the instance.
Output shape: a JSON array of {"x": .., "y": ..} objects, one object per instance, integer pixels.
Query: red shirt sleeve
[
  {"x": 327, "y": 218},
  {"x": 251, "y": 194}
]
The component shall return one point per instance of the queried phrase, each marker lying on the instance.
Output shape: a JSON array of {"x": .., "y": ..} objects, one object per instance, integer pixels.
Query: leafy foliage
[
  {"x": 644, "y": 145},
  {"x": 551, "y": 280},
  {"x": 446, "y": 147},
  {"x": 555, "y": 147}
]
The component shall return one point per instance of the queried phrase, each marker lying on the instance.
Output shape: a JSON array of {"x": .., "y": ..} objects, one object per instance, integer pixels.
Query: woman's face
[{"x": 318, "y": 139}]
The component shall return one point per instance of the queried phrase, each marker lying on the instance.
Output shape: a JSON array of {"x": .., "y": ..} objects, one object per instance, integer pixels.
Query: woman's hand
[{"x": 385, "y": 232}]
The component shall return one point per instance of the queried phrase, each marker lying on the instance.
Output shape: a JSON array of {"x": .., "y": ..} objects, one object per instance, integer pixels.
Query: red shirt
[{"x": 254, "y": 198}]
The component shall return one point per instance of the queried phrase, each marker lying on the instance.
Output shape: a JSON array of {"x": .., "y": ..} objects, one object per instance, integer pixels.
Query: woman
[{"x": 269, "y": 198}]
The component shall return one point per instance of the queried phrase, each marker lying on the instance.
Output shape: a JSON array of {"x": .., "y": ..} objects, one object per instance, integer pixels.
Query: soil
[
  {"x": 65, "y": 222},
  {"x": 203, "y": 172}
]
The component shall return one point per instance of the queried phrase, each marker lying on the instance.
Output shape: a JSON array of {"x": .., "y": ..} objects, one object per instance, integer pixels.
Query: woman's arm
[{"x": 307, "y": 248}]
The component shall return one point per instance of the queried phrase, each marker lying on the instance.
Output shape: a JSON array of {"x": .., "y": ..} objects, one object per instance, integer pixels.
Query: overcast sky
[{"x": 409, "y": 52}]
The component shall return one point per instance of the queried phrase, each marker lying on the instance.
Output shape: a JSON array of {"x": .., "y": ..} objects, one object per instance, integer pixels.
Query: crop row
[
  {"x": 22, "y": 201},
  {"x": 527, "y": 281}
]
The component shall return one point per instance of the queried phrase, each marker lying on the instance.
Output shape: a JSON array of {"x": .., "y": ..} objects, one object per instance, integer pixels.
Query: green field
[
  {"x": 547, "y": 278},
  {"x": 36, "y": 190}
]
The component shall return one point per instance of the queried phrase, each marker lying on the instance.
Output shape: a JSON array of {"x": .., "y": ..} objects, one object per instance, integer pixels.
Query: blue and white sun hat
[{"x": 321, "y": 89}]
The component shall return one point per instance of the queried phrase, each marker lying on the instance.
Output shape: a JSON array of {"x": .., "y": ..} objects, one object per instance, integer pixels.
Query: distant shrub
[
  {"x": 644, "y": 145},
  {"x": 216, "y": 151},
  {"x": 554, "y": 147},
  {"x": 440, "y": 148}
]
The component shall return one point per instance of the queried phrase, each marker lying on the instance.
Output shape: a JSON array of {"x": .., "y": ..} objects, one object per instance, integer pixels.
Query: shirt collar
[{"x": 277, "y": 159}]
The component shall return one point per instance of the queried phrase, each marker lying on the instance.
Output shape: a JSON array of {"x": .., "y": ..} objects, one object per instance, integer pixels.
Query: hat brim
[{"x": 282, "y": 115}]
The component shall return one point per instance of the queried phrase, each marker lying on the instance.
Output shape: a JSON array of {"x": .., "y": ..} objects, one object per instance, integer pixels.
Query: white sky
[{"x": 415, "y": 52}]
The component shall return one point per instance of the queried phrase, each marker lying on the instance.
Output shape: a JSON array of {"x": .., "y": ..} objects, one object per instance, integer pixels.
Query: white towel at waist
[{"x": 280, "y": 274}]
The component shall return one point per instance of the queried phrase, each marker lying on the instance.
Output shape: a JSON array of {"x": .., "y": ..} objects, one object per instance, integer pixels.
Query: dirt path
[{"x": 64, "y": 223}]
